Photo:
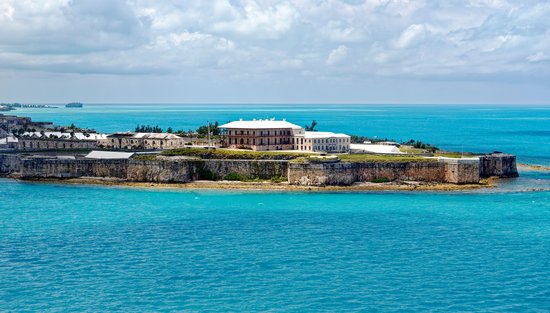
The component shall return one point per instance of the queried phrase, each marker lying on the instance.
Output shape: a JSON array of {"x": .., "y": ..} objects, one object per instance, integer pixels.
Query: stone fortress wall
[{"x": 177, "y": 170}]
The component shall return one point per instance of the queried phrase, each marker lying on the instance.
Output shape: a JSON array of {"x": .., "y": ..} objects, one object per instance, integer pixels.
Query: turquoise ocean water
[{"x": 77, "y": 248}]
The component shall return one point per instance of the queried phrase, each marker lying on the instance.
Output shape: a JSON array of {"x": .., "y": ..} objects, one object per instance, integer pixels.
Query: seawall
[
  {"x": 182, "y": 170},
  {"x": 9, "y": 163},
  {"x": 345, "y": 174},
  {"x": 500, "y": 165},
  {"x": 161, "y": 171}
]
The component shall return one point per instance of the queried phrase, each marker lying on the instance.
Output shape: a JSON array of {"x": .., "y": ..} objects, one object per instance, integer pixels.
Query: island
[
  {"x": 14, "y": 106},
  {"x": 256, "y": 154},
  {"x": 74, "y": 105}
]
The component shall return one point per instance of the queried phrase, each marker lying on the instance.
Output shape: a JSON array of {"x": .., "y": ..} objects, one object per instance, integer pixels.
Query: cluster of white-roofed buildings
[{"x": 256, "y": 134}]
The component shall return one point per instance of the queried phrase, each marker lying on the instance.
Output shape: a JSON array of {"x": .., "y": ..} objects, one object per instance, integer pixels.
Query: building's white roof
[
  {"x": 146, "y": 135},
  {"x": 322, "y": 135},
  {"x": 79, "y": 136},
  {"x": 109, "y": 155},
  {"x": 5, "y": 141},
  {"x": 156, "y": 136},
  {"x": 369, "y": 148},
  {"x": 260, "y": 124}
]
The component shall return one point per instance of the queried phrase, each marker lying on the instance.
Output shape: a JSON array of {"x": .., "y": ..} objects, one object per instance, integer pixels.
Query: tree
[
  {"x": 214, "y": 129},
  {"x": 311, "y": 128},
  {"x": 148, "y": 129},
  {"x": 169, "y": 130}
]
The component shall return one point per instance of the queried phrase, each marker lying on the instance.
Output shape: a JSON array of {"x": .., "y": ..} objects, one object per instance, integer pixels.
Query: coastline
[{"x": 270, "y": 186}]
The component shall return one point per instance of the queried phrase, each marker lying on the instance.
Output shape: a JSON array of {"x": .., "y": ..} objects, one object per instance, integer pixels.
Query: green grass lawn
[
  {"x": 382, "y": 158},
  {"x": 234, "y": 154}
]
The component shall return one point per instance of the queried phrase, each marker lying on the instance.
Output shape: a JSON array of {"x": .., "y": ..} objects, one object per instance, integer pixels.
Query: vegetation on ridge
[
  {"x": 383, "y": 158},
  {"x": 233, "y": 154}
]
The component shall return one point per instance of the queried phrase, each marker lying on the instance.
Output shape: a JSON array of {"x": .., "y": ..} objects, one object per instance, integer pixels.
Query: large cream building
[
  {"x": 322, "y": 142},
  {"x": 270, "y": 134},
  {"x": 261, "y": 135}
]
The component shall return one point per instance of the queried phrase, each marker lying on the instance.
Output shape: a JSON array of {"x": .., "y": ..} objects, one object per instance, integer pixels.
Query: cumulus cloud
[
  {"x": 415, "y": 33},
  {"x": 337, "y": 55},
  {"x": 255, "y": 38},
  {"x": 254, "y": 19}
]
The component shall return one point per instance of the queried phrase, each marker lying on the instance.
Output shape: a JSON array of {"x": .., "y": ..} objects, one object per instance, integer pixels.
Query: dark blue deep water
[{"x": 88, "y": 248}]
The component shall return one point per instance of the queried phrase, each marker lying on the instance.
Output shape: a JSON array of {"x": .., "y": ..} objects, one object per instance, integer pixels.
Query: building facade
[
  {"x": 270, "y": 135},
  {"x": 12, "y": 124},
  {"x": 324, "y": 142},
  {"x": 143, "y": 141},
  {"x": 261, "y": 135},
  {"x": 33, "y": 141}
]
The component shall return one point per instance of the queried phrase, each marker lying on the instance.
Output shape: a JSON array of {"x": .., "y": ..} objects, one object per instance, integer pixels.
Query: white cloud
[
  {"x": 252, "y": 38},
  {"x": 412, "y": 35},
  {"x": 6, "y": 11},
  {"x": 337, "y": 31},
  {"x": 254, "y": 19},
  {"x": 337, "y": 55},
  {"x": 537, "y": 57}
]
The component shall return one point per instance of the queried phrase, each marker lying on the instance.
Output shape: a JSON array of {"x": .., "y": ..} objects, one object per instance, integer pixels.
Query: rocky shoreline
[{"x": 270, "y": 186}]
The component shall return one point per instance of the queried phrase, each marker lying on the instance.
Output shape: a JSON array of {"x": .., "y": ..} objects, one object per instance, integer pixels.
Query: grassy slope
[
  {"x": 382, "y": 158},
  {"x": 233, "y": 154}
]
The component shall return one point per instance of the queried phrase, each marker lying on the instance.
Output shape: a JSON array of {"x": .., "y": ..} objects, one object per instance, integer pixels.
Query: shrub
[
  {"x": 234, "y": 177},
  {"x": 381, "y": 180},
  {"x": 233, "y": 154},
  {"x": 278, "y": 179},
  {"x": 206, "y": 174}
]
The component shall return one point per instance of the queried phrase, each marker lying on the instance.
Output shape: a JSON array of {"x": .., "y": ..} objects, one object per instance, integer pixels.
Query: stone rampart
[
  {"x": 163, "y": 170},
  {"x": 458, "y": 171},
  {"x": 499, "y": 165},
  {"x": 72, "y": 168},
  {"x": 461, "y": 171},
  {"x": 9, "y": 163},
  {"x": 348, "y": 173},
  {"x": 263, "y": 169}
]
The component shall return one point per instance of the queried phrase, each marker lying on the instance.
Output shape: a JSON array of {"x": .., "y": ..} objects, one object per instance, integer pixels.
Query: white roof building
[
  {"x": 8, "y": 140},
  {"x": 108, "y": 155},
  {"x": 318, "y": 135},
  {"x": 61, "y": 135},
  {"x": 145, "y": 135},
  {"x": 260, "y": 124},
  {"x": 380, "y": 148}
]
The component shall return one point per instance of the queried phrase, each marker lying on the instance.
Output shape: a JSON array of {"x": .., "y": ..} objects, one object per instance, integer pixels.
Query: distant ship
[{"x": 74, "y": 105}]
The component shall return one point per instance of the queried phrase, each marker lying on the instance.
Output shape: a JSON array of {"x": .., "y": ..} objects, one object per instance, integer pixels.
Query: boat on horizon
[{"x": 74, "y": 105}]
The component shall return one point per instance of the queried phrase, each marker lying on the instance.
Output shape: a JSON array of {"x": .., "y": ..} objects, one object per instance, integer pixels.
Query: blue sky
[{"x": 268, "y": 51}]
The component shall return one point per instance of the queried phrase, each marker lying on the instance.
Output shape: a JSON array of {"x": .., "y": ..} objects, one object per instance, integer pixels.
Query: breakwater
[{"x": 181, "y": 170}]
